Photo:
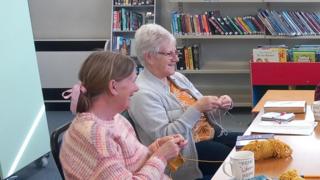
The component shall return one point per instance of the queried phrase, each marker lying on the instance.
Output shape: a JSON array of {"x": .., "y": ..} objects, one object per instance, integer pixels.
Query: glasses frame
[{"x": 169, "y": 54}]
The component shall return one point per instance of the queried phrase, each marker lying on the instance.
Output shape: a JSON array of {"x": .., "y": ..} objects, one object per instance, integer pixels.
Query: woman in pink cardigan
[{"x": 100, "y": 143}]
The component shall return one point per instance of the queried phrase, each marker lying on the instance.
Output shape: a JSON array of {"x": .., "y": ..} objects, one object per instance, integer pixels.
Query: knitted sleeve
[{"x": 114, "y": 167}]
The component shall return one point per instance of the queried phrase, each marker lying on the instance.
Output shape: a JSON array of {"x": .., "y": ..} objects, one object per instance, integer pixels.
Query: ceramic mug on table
[
  {"x": 241, "y": 165},
  {"x": 315, "y": 106}
]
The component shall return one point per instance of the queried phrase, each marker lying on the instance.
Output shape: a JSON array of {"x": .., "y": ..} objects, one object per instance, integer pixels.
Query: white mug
[
  {"x": 315, "y": 106},
  {"x": 242, "y": 165}
]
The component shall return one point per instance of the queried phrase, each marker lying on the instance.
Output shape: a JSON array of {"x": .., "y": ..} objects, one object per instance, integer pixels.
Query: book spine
[
  {"x": 292, "y": 32},
  {"x": 297, "y": 23},
  {"x": 235, "y": 26},
  {"x": 196, "y": 56},
  {"x": 211, "y": 20},
  {"x": 266, "y": 23},
  {"x": 313, "y": 21},
  {"x": 191, "y": 66},
  {"x": 228, "y": 23},
  {"x": 304, "y": 23},
  {"x": 309, "y": 22},
  {"x": 243, "y": 24},
  {"x": 174, "y": 23},
  {"x": 186, "y": 58},
  {"x": 195, "y": 22},
  {"x": 252, "y": 28},
  {"x": 277, "y": 20},
  {"x": 181, "y": 63},
  {"x": 183, "y": 24},
  {"x": 224, "y": 31},
  {"x": 200, "y": 24},
  {"x": 258, "y": 24},
  {"x": 273, "y": 23},
  {"x": 193, "y": 28},
  {"x": 290, "y": 21}
]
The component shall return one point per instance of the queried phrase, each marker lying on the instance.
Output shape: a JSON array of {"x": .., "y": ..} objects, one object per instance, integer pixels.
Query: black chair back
[
  {"x": 55, "y": 142},
  {"x": 127, "y": 116}
]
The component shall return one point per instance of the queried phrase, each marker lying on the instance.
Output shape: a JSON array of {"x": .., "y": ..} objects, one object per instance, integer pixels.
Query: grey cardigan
[{"x": 156, "y": 113}]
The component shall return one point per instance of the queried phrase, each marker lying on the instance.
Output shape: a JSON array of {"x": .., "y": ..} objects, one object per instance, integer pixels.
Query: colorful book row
[
  {"x": 300, "y": 53},
  {"x": 125, "y": 20},
  {"x": 280, "y": 23},
  {"x": 211, "y": 22},
  {"x": 290, "y": 23}
]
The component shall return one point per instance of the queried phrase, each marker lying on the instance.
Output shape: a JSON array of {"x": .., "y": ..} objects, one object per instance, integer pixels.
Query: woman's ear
[
  {"x": 147, "y": 58},
  {"x": 113, "y": 87}
]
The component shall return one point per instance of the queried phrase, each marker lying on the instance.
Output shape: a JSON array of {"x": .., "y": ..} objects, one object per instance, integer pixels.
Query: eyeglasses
[{"x": 170, "y": 53}]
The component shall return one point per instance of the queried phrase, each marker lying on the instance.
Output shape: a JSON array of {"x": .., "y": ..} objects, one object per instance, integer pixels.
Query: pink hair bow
[{"x": 74, "y": 93}]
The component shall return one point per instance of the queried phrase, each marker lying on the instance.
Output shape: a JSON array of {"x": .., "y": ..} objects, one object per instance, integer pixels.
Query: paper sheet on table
[{"x": 293, "y": 127}]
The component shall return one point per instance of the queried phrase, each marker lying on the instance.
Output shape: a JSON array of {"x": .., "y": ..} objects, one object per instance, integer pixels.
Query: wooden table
[
  {"x": 284, "y": 95},
  {"x": 306, "y": 149}
]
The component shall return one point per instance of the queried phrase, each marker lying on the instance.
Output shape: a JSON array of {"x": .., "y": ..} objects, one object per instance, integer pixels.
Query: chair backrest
[
  {"x": 127, "y": 116},
  {"x": 317, "y": 93},
  {"x": 55, "y": 142}
]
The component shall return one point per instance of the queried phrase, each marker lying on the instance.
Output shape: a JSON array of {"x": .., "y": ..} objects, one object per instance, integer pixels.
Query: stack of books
[{"x": 285, "y": 106}]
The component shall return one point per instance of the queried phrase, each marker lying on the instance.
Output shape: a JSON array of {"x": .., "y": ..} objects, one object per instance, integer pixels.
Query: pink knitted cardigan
[{"x": 97, "y": 149}]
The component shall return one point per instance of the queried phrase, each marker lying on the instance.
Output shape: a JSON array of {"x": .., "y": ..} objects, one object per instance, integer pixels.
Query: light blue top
[{"x": 157, "y": 113}]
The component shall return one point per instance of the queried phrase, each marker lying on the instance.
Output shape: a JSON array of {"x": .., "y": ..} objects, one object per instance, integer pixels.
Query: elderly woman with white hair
[{"x": 168, "y": 103}]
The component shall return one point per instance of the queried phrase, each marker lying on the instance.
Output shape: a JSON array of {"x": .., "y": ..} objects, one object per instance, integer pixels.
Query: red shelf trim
[{"x": 285, "y": 73}]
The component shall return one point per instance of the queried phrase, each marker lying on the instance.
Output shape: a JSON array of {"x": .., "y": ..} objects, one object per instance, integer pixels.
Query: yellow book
[{"x": 190, "y": 58}]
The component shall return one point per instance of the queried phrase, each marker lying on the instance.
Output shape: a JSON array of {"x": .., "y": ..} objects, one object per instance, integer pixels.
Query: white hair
[{"x": 149, "y": 38}]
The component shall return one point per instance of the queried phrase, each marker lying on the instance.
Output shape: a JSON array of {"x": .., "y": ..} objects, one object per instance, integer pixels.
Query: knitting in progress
[{"x": 271, "y": 148}]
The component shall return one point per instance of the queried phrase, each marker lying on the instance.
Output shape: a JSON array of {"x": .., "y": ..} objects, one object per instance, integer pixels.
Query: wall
[{"x": 23, "y": 126}]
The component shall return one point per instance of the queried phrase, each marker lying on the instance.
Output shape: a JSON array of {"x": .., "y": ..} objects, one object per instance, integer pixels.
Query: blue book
[{"x": 246, "y": 139}]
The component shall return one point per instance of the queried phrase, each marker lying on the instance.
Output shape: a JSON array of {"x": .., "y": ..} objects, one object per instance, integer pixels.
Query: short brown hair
[{"x": 97, "y": 71}]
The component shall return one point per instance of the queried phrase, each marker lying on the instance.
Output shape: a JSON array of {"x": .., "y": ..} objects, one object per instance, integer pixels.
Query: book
[
  {"x": 265, "y": 55},
  {"x": 181, "y": 65},
  {"x": 304, "y": 56},
  {"x": 124, "y": 46},
  {"x": 196, "y": 56},
  {"x": 246, "y": 139},
  {"x": 285, "y": 106},
  {"x": 277, "y": 116}
]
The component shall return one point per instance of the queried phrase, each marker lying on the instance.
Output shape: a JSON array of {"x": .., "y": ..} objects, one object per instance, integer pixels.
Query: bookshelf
[
  {"x": 127, "y": 16},
  {"x": 225, "y": 59}
]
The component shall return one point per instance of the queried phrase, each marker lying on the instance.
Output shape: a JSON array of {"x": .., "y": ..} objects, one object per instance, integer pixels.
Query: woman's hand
[
  {"x": 226, "y": 102},
  {"x": 207, "y": 103},
  {"x": 181, "y": 141},
  {"x": 169, "y": 149}
]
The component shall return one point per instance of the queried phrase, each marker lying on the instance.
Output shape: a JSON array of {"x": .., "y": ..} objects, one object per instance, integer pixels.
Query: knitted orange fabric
[{"x": 202, "y": 129}]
